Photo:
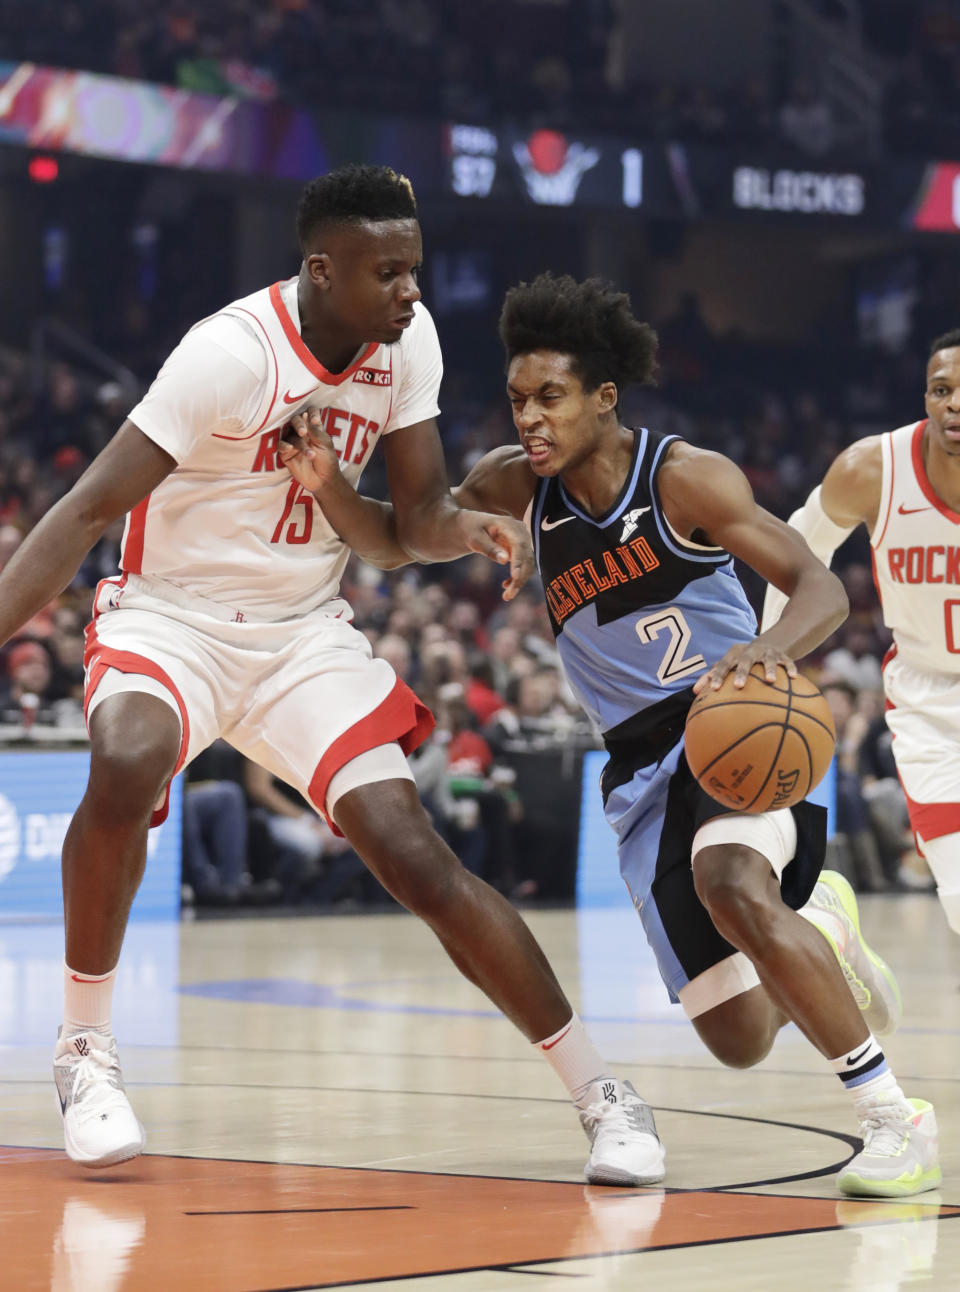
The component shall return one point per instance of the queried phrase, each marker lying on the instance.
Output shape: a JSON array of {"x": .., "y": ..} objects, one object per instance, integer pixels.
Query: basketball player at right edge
[
  {"x": 905, "y": 487},
  {"x": 633, "y": 533}
]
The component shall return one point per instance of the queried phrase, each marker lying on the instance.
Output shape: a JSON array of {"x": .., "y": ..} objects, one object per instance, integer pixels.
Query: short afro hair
[
  {"x": 946, "y": 342},
  {"x": 591, "y": 322},
  {"x": 352, "y": 194}
]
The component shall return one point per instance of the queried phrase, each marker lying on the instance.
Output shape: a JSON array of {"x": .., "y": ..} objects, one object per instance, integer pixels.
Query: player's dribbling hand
[
  {"x": 504, "y": 540},
  {"x": 307, "y": 451},
  {"x": 739, "y": 660}
]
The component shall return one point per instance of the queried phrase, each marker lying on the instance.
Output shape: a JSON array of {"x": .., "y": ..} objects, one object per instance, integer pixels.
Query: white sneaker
[
  {"x": 833, "y": 909},
  {"x": 624, "y": 1146},
  {"x": 99, "y": 1126},
  {"x": 899, "y": 1156}
]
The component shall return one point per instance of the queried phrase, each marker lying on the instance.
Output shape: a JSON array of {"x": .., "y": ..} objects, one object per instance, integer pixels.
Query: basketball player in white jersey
[
  {"x": 225, "y": 621},
  {"x": 905, "y": 487}
]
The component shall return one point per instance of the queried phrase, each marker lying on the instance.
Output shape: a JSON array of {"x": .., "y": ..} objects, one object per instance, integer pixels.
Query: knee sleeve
[
  {"x": 772, "y": 834},
  {"x": 382, "y": 763},
  {"x": 943, "y": 857}
]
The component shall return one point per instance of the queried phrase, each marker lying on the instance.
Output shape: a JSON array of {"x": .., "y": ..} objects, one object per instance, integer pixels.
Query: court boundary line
[{"x": 597, "y": 1256}]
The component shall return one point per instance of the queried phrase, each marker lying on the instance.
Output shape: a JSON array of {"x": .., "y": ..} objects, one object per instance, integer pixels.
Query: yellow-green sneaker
[
  {"x": 833, "y": 909},
  {"x": 899, "y": 1155}
]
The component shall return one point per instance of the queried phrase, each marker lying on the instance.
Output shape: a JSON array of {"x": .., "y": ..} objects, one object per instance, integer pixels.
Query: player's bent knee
[
  {"x": 739, "y": 1031},
  {"x": 737, "y": 1051},
  {"x": 130, "y": 766},
  {"x": 127, "y": 784},
  {"x": 733, "y": 888}
]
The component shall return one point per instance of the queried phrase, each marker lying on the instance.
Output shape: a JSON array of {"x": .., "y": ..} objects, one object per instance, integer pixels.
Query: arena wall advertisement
[
  {"x": 103, "y": 116},
  {"x": 39, "y": 792}
]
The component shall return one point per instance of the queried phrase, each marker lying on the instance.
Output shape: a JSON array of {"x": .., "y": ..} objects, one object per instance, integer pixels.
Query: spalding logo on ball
[{"x": 763, "y": 747}]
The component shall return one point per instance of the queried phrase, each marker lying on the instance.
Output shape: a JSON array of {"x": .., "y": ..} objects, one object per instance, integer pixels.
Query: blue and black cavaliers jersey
[{"x": 638, "y": 612}]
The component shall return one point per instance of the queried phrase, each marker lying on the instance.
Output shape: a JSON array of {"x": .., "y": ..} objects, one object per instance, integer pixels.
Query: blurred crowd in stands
[
  {"x": 560, "y": 66},
  {"x": 500, "y": 775}
]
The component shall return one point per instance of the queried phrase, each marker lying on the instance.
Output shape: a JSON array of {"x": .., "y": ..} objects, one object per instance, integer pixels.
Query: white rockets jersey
[
  {"x": 916, "y": 558},
  {"x": 229, "y": 523}
]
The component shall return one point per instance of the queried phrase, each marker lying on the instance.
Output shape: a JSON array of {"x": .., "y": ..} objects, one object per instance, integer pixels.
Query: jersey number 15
[{"x": 300, "y": 527}]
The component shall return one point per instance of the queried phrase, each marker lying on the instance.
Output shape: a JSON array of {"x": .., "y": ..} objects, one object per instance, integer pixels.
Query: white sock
[
  {"x": 86, "y": 1000},
  {"x": 886, "y": 1086},
  {"x": 574, "y": 1058},
  {"x": 862, "y": 1065},
  {"x": 867, "y": 1076}
]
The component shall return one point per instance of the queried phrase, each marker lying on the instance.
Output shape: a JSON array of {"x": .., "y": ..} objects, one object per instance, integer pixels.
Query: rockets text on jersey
[
  {"x": 352, "y": 436},
  {"x": 229, "y": 523}
]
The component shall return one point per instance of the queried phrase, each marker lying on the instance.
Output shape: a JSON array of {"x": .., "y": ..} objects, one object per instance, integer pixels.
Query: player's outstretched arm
[
  {"x": 430, "y": 524},
  {"x": 849, "y": 495},
  {"x": 125, "y": 471},
  {"x": 500, "y": 483},
  {"x": 707, "y": 498}
]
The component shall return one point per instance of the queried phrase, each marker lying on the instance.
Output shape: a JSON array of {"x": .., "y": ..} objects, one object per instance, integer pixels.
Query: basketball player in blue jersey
[{"x": 634, "y": 534}]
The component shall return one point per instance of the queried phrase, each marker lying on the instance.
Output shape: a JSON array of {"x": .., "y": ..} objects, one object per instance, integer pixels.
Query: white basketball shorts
[
  {"x": 923, "y": 714},
  {"x": 303, "y": 696}
]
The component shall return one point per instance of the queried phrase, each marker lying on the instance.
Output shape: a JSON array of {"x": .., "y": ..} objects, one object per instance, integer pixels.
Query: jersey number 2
[
  {"x": 676, "y": 662},
  {"x": 299, "y": 530}
]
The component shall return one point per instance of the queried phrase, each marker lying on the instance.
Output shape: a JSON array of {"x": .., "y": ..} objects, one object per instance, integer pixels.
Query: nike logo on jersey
[
  {"x": 552, "y": 524},
  {"x": 295, "y": 399},
  {"x": 909, "y": 511},
  {"x": 630, "y": 522}
]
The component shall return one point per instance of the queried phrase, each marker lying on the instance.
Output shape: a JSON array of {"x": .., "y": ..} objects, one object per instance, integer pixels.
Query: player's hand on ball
[
  {"x": 504, "y": 540},
  {"x": 739, "y": 660},
  {"x": 307, "y": 451}
]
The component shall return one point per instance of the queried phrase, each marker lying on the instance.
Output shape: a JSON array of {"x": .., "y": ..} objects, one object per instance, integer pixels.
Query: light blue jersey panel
[{"x": 618, "y": 668}]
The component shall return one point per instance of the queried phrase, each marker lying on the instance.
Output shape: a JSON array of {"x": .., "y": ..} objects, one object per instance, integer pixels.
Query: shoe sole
[
  {"x": 126, "y": 1153},
  {"x": 622, "y": 1179},
  {"x": 847, "y": 899},
  {"x": 857, "y": 1187}
]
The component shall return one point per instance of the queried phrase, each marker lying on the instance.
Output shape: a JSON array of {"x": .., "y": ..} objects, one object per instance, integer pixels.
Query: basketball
[{"x": 763, "y": 747}]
